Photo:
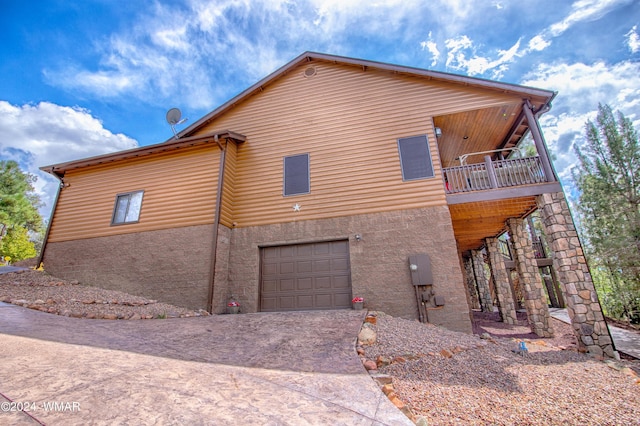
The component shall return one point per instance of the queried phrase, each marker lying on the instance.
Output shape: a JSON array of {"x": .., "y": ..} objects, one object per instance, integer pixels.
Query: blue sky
[{"x": 95, "y": 76}]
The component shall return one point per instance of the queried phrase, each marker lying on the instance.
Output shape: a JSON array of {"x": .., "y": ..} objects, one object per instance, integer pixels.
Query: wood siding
[
  {"x": 179, "y": 190},
  {"x": 348, "y": 120}
]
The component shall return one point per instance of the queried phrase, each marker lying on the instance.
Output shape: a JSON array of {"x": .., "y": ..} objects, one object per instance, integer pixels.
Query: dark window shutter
[
  {"x": 296, "y": 174},
  {"x": 415, "y": 158}
]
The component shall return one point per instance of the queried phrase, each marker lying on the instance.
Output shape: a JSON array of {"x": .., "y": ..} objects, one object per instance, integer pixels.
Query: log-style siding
[
  {"x": 348, "y": 120},
  {"x": 179, "y": 190}
]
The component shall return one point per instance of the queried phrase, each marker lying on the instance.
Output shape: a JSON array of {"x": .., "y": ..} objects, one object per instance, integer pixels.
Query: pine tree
[{"x": 608, "y": 178}]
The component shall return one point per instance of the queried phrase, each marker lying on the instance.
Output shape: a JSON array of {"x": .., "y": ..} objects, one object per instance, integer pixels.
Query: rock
[
  {"x": 50, "y": 302},
  {"x": 39, "y": 302},
  {"x": 382, "y": 379},
  {"x": 446, "y": 353},
  {"x": 422, "y": 421},
  {"x": 396, "y": 401},
  {"x": 110, "y": 316},
  {"x": 370, "y": 365},
  {"x": 90, "y": 315},
  {"x": 387, "y": 389},
  {"x": 135, "y": 316},
  {"x": 360, "y": 351},
  {"x": 88, "y": 302},
  {"x": 457, "y": 350},
  {"x": 366, "y": 336},
  {"x": 382, "y": 361},
  {"x": 399, "y": 360}
]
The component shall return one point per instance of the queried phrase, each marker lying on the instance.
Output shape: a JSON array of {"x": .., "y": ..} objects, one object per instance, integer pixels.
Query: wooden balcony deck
[{"x": 494, "y": 174}]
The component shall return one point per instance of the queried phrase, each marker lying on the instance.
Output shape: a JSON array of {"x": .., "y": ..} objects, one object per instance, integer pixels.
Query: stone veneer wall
[
  {"x": 472, "y": 290},
  {"x": 506, "y": 305},
  {"x": 379, "y": 262},
  {"x": 573, "y": 273},
  {"x": 170, "y": 265},
  {"x": 486, "y": 301},
  {"x": 535, "y": 300}
]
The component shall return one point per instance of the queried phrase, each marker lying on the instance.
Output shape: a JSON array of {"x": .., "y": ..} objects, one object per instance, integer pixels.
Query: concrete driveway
[{"x": 259, "y": 369}]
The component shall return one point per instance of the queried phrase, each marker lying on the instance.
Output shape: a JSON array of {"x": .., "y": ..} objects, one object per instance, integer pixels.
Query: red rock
[
  {"x": 387, "y": 389},
  {"x": 399, "y": 360},
  {"x": 370, "y": 365},
  {"x": 110, "y": 316},
  {"x": 446, "y": 353}
]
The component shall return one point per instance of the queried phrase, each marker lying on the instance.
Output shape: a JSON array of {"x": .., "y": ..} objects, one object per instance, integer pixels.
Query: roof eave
[
  {"x": 311, "y": 56},
  {"x": 171, "y": 144}
]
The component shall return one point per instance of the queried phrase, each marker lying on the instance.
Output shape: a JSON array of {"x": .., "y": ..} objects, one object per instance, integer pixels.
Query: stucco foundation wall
[
  {"x": 170, "y": 265},
  {"x": 379, "y": 262}
]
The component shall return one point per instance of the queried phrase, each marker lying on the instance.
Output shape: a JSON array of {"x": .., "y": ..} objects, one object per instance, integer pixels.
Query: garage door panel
[
  {"x": 269, "y": 286},
  {"x": 339, "y": 265},
  {"x": 321, "y": 265},
  {"x": 343, "y": 300},
  {"x": 269, "y": 304},
  {"x": 305, "y": 277},
  {"x": 305, "y": 302},
  {"x": 305, "y": 284},
  {"x": 287, "y": 285},
  {"x": 304, "y": 266},
  {"x": 341, "y": 282},
  {"x": 322, "y": 283},
  {"x": 340, "y": 247},
  {"x": 287, "y": 267}
]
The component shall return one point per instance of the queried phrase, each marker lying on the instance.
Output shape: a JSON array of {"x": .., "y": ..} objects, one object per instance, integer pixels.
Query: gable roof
[
  {"x": 311, "y": 57},
  {"x": 171, "y": 145},
  {"x": 187, "y": 137}
]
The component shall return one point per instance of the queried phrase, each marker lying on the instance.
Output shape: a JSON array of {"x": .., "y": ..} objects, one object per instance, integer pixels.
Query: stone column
[
  {"x": 506, "y": 305},
  {"x": 534, "y": 297},
  {"x": 471, "y": 283},
  {"x": 484, "y": 292},
  {"x": 573, "y": 273}
]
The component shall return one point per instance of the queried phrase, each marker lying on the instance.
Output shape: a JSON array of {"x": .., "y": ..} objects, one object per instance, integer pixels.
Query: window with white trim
[
  {"x": 296, "y": 175},
  {"x": 415, "y": 158},
  {"x": 127, "y": 208}
]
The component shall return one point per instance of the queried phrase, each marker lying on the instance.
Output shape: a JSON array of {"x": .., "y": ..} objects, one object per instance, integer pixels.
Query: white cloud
[
  {"x": 581, "y": 87},
  {"x": 581, "y": 11},
  {"x": 538, "y": 43},
  {"x": 633, "y": 40},
  {"x": 45, "y": 133},
  {"x": 461, "y": 55},
  {"x": 432, "y": 47}
]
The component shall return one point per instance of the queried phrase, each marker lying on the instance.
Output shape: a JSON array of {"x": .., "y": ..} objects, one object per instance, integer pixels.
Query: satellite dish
[{"x": 173, "y": 118}]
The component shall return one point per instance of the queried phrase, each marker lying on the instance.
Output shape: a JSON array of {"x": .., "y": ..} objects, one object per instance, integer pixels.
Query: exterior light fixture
[{"x": 438, "y": 131}]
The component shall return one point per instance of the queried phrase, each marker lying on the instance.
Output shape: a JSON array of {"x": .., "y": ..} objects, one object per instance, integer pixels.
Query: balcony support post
[{"x": 541, "y": 147}]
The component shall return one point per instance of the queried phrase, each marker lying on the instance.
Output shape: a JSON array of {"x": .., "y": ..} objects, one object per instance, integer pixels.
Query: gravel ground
[
  {"x": 451, "y": 378},
  {"x": 443, "y": 377},
  {"x": 37, "y": 290}
]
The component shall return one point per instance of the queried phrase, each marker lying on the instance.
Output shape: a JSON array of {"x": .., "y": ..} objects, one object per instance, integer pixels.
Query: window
[
  {"x": 415, "y": 158},
  {"x": 127, "y": 208},
  {"x": 296, "y": 175}
]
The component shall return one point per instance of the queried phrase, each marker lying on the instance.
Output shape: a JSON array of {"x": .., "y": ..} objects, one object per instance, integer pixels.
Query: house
[{"x": 331, "y": 178}]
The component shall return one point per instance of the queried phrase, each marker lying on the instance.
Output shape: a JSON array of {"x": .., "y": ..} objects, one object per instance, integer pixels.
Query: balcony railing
[{"x": 494, "y": 174}]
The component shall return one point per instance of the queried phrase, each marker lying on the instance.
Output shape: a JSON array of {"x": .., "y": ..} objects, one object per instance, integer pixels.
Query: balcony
[{"x": 494, "y": 174}]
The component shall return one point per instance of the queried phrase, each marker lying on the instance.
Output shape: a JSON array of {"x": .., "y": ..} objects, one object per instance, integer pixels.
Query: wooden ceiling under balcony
[
  {"x": 479, "y": 130},
  {"x": 473, "y": 222}
]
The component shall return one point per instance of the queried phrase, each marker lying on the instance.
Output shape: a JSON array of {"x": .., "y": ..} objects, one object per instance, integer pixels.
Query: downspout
[
  {"x": 216, "y": 221},
  {"x": 53, "y": 212}
]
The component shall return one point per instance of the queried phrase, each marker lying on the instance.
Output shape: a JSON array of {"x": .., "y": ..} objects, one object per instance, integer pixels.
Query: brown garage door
[{"x": 305, "y": 277}]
